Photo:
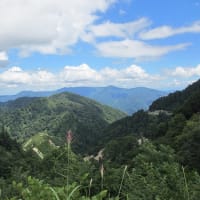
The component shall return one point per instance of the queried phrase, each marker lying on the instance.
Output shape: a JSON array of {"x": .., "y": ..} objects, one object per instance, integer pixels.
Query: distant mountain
[
  {"x": 26, "y": 117},
  {"x": 5, "y": 98},
  {"x": 126, "y": 100}
]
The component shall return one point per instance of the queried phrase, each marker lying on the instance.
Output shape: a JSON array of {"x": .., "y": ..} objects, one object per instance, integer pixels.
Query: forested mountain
[
  {"x": 186, "y": 101},
  {"x": 26, "y": 117},
  {"x": 180, "y": 129},
  {"x": 126, "y": 100},
  {"x": 149, "y": 155}
]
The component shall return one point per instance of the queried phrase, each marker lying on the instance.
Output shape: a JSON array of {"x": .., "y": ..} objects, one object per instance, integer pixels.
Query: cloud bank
[{"x": 84, "y": 75}]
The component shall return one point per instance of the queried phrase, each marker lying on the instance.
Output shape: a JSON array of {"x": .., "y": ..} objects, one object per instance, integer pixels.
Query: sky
[{"x": 50, "y": 44}]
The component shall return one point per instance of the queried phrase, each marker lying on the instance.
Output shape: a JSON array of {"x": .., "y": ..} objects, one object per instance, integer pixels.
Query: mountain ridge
[
  {"x": 27, "y": 116},
  {"x": 128, "y": 100}
]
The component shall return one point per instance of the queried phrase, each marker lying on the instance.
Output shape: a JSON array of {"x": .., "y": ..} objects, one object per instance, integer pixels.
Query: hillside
[
  {"x": 186, "y": 101},
  {"x": 41, "y": 143},
  {"x": 136, "y": 151},
  {"x": 180, "y": 129},
  {"x": 26, "y": 117},
  {"x": 126, "y": 100}
]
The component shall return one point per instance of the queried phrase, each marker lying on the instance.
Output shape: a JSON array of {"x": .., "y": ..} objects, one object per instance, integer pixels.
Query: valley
[{"x": 136, "y": 151}]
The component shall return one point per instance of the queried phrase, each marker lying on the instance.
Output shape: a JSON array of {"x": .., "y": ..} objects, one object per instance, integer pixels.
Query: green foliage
[
  {"x": 191, "y": 105},
  {"x": 147, "y": 156},
  {"x": 175, "y": 128},
  {"x": 121, "y": 151},
  {"x": 43, "y": 142},
  {"x": 186, "y": 101},
  {"x": 37, "y": 189},
  {"x": 26, "y": 117},
  {"x": 65, "y": 166},
  {"x": 188, "y": 147},
  {"x": 157, "y": 175},
  {"x": 140, "y": 124}
]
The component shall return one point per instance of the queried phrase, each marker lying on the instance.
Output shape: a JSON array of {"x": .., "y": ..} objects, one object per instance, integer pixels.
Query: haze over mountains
[{"x": 126, "y": 100}]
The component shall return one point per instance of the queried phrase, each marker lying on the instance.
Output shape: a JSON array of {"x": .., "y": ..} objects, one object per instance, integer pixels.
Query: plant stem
[
  {"x": 68, "y": 149},
  {"x": 125, "y": 168},
  {"x": 186, "y": 185},
  {"x": 101, "y": 183}
]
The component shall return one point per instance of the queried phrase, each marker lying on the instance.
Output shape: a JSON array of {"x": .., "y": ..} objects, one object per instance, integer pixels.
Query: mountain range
[
  {"x": 136, "y": 151},
  {"x": 126, "y": 100}
]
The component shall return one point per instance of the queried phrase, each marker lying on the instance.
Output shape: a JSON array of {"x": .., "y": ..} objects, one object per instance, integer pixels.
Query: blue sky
[{"x": 49, "y": 44}]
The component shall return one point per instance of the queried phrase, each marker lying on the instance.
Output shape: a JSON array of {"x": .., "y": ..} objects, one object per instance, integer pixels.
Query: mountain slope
[
  {"x": 186, "y": 100},
  {"x": 180, "y": 129},
  {"x": 127, "y": 100},
  {"x": 41, "y": 144},
  {"x": 183, "y": 105},
  {"x": 26, "y": 117}
]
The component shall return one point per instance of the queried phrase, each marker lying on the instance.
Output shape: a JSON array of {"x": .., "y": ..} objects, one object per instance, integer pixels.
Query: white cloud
[
  {"x": 167, "y": 31},
  {"x": 131, "y": 76},
  {"x": 54, "y": 27},
  {"x": 135, "y": 49},
  {"x": 15, "y": 75},
  {"x": 43, "y": 77},
  {"x": 186, "y": 72},
  {"x": 122, "y": 30},
  {"x": 82, "y": 75},
  {"x": 3, "y": 56},
  {"x": 46, "y": 26},
  {"x": 85, "y": 75},
  {"x": 3, "y": 59}
]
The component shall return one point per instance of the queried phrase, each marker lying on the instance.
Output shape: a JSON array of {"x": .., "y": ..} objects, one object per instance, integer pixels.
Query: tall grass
[
  {"x": 186, "y": 185},
  {"x": 122, "y": 180}
]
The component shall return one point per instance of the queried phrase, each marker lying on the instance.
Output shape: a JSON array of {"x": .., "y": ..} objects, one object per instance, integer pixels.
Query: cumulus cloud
[
  {"x": 167, "y": 31},
  {"x": 85, "y": 75},
  {"x": 186, "y": 72},
  {"x": 46, "y": 26},
  {"x": 54, "y": 27},
  {"x": 82, "y": 75},
  {"x": 16, "y": 76},
  {"x": 135, "y": 49}
]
